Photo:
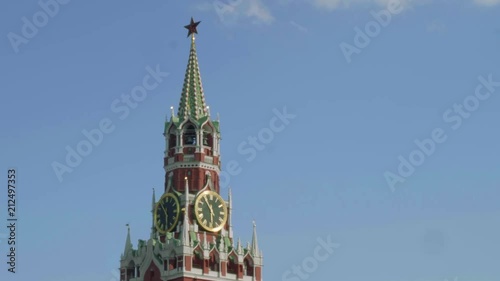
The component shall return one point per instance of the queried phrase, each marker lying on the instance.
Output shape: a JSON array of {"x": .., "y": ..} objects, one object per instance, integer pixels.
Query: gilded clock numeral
[
  {"x": 205, "y": 222},
  {"x": 221, "y": 219},
  {"x": 200, "y": 215}
]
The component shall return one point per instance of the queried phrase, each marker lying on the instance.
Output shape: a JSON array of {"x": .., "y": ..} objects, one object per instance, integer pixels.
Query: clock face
[
  {"x": 210, "y": 211},
  {"x": 166, "y": 213}
]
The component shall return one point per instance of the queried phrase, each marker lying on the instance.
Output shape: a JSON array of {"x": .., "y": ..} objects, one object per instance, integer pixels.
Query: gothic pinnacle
[
  {"x": 185, "y": 225},
  {"x": 128, "y": 244},
  {"x": 239, "y": 247},
  {"x": 230, "y": 207},
  {"x": 255, "y": 245},
  {"x": 153, "y": 229}
]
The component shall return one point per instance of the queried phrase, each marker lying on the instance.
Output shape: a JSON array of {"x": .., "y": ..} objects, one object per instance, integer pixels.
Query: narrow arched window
[
  {"x": 190, "y": 135},
  {"x": 232, "y": 265},
  {"x": 197, "y": 259},
  {"x": 214, "y": 263},
  {"x": 248, "y": 266}
]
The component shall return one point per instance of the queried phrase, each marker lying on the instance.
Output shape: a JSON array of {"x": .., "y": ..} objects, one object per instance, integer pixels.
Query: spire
[
  {"x": 192, "y": 102},
  {"x": 238, "y": 247},
  {"x": 230, "y": 203},
  {"x": 255, "y": 245},
  {"x": 222, "y": 245},
  {"x": 185, "y": 225},
  {"x": 153, "y": 229},
  {"x": 128, "y": 244},
  {"x": 205, "y": 241}
]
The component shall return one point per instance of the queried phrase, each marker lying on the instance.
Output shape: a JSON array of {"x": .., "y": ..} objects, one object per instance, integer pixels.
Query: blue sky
[{"x": 324, "y": 175}]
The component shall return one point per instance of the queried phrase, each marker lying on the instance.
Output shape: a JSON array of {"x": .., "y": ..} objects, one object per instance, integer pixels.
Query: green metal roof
[
  {"x": 192, "y": 104},
  {"x": 192, "y": 99}
]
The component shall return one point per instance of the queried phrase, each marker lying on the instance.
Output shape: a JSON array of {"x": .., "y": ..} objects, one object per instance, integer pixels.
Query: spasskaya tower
[{"x": 191, "y": 234}]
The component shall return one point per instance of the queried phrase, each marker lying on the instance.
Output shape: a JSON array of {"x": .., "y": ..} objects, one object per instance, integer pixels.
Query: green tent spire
[
  {"x": 128, "y": 243},
  {"x": 192, "y": 102}
]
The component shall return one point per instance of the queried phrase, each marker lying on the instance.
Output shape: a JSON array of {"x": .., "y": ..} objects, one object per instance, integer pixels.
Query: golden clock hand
[
  {"x": 208, "y": 204},
  {"x": 210, "y": 208},
  {"x": 166, "y": 213}
]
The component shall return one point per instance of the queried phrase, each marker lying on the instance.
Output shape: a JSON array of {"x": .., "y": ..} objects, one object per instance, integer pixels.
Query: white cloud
[
  {"x": 335, "y": 4},
  {"x": 204, "y": 6},
  {"x": 338, "y": 4},
  {"x": 237, "y": 11},
  {"x": 232, "y": 12},
  {"x": 487, "y": 2},
  {"x": 298, "y": 26},
  {"x": 258, "y": 12},
  {"x": 329, "y": 4}
]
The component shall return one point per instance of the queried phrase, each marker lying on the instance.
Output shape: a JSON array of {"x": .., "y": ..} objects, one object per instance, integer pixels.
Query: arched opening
[
  {"x": 172, "y": 143},
  {"x": 189, "y": 135},
  {"x": 130, "y": 271},
  {"x": 171, "y": 262},
  {"x": 197, "y": 259},
  {"x": 232, "y": 264},
  {"x": 248, "y": 267},
  {"x": 208, "y": 140},
  {"x": 213, "y": 262}
]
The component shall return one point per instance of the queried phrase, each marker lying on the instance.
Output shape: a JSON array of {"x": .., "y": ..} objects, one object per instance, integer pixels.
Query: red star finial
[{"x": 191, "y": 27}]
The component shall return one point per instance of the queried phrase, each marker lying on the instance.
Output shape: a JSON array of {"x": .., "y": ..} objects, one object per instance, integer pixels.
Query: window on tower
[
  {"x": 189, "y": 135},
  {"x": 214, "y": 262},
  {"x": 131, "y": 270},
  {"x": 180, "y": 262},
  {"x": 173, "y": 264},
  {"x": 172, "y": 143},
  {"x": 232, "y": 265},
  {"x": 205, "y": 139},
  {"x": 248, "y": 266},
  {"x": 207, "y": 136},
  {"x": 197, "y": 259}
]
